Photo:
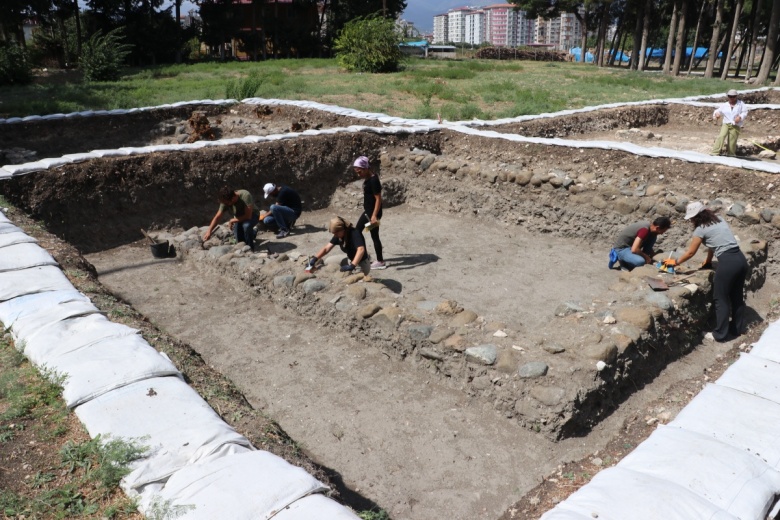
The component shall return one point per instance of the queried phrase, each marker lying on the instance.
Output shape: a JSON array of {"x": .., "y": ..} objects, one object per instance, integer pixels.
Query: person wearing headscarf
[
  {"x": 351, "y": 242},
  {"x": 715, "y": 234}
]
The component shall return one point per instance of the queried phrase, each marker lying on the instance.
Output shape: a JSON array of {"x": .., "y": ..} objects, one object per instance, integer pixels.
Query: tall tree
[
  {"x": 714, "y": 46},
  {"x": 753, "y": 38},
  {"x": 645, "y": 35},
  {"x": 771, "y": 45},
  {"x": 670, "y": 39},
  {"x": 732, "y": 40},
  {"x": 696, "y": 36},
  {"x": 679, "y": 49}
]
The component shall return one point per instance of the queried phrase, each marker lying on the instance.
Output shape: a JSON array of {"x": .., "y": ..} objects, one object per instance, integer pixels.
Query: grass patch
[
  {"x": 489, "y": 88},
  {"x": 66, "y": 475}
]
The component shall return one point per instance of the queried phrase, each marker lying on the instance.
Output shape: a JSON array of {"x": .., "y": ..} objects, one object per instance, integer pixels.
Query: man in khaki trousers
[{"x": 733, "y": 113}]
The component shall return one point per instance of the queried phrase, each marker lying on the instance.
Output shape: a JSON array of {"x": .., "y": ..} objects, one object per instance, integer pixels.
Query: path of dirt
[{"x": 417, "y": 447}]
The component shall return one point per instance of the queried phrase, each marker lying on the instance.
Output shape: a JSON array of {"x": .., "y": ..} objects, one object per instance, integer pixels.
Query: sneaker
[
  {"x": 282, "y": 233},
  {"x": 378, "y": 265},
  {"x": 709, "y": 337}
]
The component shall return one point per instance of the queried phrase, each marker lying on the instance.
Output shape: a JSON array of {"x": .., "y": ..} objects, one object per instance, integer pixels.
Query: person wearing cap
[
  {"x": 634, "y": 245},
  {"x": 372, "y": 206},
  {"x": 733, "y": 113},
  {"x": 715, "y": 234},
  {"x": 245, "y": 215},
  {"x": 285, "y": 211},
  {"x": 351, "y": 241}
]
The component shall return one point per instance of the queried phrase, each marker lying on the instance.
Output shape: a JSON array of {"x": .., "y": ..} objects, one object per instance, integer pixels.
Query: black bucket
[{"x": 163, "y": 250}]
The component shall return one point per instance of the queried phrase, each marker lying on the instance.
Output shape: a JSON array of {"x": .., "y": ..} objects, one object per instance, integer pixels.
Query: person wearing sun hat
[
  {"x": 715, "y": 234},
  {"x": 733, "y": 113}
]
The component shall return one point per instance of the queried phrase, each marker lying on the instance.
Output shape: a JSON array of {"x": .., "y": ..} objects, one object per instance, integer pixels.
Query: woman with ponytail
[{"x": 351, "y": 241}]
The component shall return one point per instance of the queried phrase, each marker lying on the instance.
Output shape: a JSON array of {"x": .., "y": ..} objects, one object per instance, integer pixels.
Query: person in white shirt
[{"x": 733, "y": 113}]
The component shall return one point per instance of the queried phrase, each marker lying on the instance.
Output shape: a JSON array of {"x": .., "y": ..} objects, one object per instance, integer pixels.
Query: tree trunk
[
  {"x": 177, "y": 4},
  {"x": 645, "y": 34},
  {"x": 635, "y": 55},
  {"x": 602, "y": 34},
  {"x": 696, "y": 36},
  {"x": 612, "y": 49},
  {"x": 714, "y": 40},
  {"x": 584, "y": 42},
  {"x": 732, "y": 40},
  {"x": 623, "y": 48},
  {"x": 679, "y": 50},
  {"x": 771, "y": 44},
  {"x": 753, "y": 36},
  {"x": 670, "y": 40},
  {"x": 78, "y": 27}
]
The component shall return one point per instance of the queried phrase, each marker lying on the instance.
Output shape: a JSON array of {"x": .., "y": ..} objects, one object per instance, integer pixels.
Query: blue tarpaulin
[
  {"x": 422, "y": 43},
  {"x": 619, "y": 56},
  {"x": 577, "y": 53}
]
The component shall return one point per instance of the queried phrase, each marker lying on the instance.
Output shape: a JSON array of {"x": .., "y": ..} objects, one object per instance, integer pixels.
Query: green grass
[{"x": 458, "y": 89}]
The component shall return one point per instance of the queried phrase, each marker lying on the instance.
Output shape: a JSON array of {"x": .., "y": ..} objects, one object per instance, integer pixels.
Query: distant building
[
  {"x": 456, "y": 25},
  {"x": 475, "y": 27},
  {"x": 441, "y": 33}
]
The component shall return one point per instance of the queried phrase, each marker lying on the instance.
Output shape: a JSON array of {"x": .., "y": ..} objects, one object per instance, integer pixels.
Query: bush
[
  {"x": 102, "y": 56},
  {"x": 14, "y": 67},
  {"x": 369, "y": 45},
  {"x": 245, "y": 88}
]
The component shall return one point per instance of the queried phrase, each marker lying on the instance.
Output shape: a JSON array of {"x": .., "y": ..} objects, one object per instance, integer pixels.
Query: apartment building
[
  {"x": 501, "y": 25},
  {"x": 570, "y": 32},
  {"x": 475, "y": 27},
  {"x": 457, "y": 24},
  {"x": 441, "y": 33}
]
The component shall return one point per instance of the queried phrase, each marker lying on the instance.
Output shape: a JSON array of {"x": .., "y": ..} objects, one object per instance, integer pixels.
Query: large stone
[
  {"x": 637, "y": 316},
  {"x": 448, "y": 307},
  {"x": 736, "y": 210},
  {"x": 627, "y": 329},
  {"x": 369, "y": 310},
  {"x": 356, "y": 292},
  {"x": 536, "y": 180},
  {"x": 606, "y": 352},
  {"x": 218, "y": 251},
  {"x": 427, "y": 305},
  {"x": 767, "y": 214},
  {"x": 463, "y": 318},
  {"x": 388, "y": 318},
  {"x": 567, "y": 308},
  {"x": 553, "y": 348},
  {"x": 776, "y": 221},
  {"x": 420, "y": 332},
  {"x": 506, "y": 361},
  {"x": 625, "y": 206},
  {"x": 440, "y": 334},
  {"x": 285, "y": 280},
  {"x": 427, "y": 162},
  {"x": 532, "y": 370},
  {"x": 750, "y": 217},
  {"x": 523, "y": 178},
  {"x": 302, "y": 277},
  {"x": 654, "y": 189},
  {"x": 767, "y": 154},
  {"x": 482, "y": 354},
  {"x": 313, "y": 285},
  {"x": 455, "y": 342},
  {"x": 660, "y": 300},
  {"x": 353, "y": 278},
  {"x": 431, "y": 354},
  {"x": 598, "y": 203},
  {"x": 548, "y": 395}
]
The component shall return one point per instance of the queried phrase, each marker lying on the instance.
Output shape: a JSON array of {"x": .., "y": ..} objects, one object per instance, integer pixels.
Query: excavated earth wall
[{"x": 602, "y": 349}]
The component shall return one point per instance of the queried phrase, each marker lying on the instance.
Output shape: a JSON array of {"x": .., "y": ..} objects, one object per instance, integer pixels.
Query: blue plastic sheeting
[
  {"x": 701, "y": 52},
  {"x": 422, "y": 43},
  {"x": 577, "y": 53},
  {"x": 619, "y": 56}
]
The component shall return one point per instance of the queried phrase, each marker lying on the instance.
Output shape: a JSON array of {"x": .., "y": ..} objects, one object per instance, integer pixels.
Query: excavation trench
[{"x": 511, "y": 232}]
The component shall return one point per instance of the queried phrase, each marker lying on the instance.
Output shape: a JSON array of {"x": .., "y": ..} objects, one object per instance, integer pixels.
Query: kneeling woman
[
  {"x": 351, "y": 241},
  {"x": 715, "y": 234}
]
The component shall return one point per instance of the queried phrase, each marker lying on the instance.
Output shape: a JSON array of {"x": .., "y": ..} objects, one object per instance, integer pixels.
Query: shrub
[
  {"x": 14, "y": 67},
  {"x": 369, "y": 45},
  {"x": 102, "y": 56},
  {"x": 245, "y": 88}
]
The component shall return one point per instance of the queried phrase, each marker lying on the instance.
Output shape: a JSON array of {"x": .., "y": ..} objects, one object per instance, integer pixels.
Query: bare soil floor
[{"x": 396, "y": 434}]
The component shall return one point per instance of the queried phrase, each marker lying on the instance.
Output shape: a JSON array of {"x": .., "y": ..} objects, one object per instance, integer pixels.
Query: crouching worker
[
  {"x": 245, "y": 215},
  {"x": 351, "y": 241},
  {"x": 634, "y": 245}
]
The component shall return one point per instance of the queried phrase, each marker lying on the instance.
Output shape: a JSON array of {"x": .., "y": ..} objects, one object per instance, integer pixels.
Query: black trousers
[
  {"x": 361, "y": 223},
  {"x": 728, "y": 288}
]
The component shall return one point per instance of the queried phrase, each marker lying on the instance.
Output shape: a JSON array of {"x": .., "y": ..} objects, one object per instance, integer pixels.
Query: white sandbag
[
  {"x": 3, "y": 218},
  {"x": 754, "y": 375},
  {"x": 768, "y": 345},
  {"x": 22, "y": 256},
  {"x": 14, "y": 284},
  {"x": 560, "y": 514},
  {"x": 15, "y": 237},
  {"x": 24, "y": 326},
  {"x": 250, "y": 486},
  {"x": 165, "y": 414},
  {"x": 732, "y": 479},
  {"x": 621, "y": 494},
  {"x": 24, "y": 169},
  {"x": 16, "y": 308},
  {"x": 744, "y": 421},
  {"x": 104, "y": 366},
  {"x": 315, "y": 506},
  {"x": 7, "y": 227},
  {"x": 65, "y": 336}
]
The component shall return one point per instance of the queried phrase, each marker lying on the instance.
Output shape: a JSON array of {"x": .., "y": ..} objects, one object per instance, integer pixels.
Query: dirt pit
[{"x": 514, "y": 234}]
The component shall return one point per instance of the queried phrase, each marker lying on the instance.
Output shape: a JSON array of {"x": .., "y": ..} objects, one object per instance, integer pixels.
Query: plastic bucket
[{"x": 163, "y": 250}]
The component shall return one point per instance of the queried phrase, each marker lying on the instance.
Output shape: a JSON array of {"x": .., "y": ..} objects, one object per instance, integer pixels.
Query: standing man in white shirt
[{"x": 733, "y": 113}]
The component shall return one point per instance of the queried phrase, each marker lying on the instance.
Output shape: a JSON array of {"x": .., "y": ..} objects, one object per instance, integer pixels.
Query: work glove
[
  {"x": 669, "y": 262},
  {"x": 347, "y": 268},
  {"x": 706, "y": 265},
  {"x": 312, "y": 262}
]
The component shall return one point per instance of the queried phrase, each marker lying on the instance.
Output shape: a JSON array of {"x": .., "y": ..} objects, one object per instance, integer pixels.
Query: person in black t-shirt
[
  {"x": 351, "y": 241},
  {"x": 372, "y": 207},
  {"x": 285, "y": 211}
]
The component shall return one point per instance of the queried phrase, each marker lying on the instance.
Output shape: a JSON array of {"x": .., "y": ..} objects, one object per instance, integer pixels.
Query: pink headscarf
[{"x": 361, "y": 162}]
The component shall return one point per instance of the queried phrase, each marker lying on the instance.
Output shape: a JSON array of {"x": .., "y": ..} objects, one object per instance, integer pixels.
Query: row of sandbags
[
  {"x": 122, "y": 388},
  {"x": 719, "y": 459}
]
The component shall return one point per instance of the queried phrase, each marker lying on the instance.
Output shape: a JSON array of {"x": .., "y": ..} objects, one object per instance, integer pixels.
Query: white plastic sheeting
[
  {"x": 15, "y": 237},
  {"x": 719, "y": 458},
  {"x": 123, "y": 388},
  {"x": 207, "y": 491}
]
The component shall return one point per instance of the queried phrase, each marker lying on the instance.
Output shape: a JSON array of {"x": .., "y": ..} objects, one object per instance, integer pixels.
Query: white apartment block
[
  {"x": 441, "y": 33},
  {"x": 457, "y": 24},
  {"x": 571, "y": 32},
  {"x": 501, "y": 25},
  {"x": 526, "y": 29},
  {"x": 475, "y": 27}
]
